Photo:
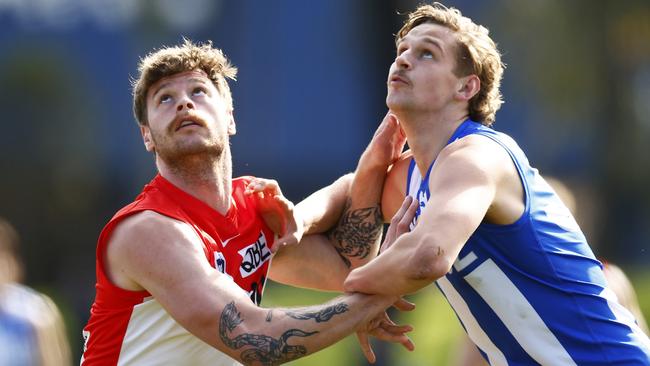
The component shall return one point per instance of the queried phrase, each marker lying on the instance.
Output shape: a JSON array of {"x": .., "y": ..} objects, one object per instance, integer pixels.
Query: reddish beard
[{"x": 180, "y": 152}]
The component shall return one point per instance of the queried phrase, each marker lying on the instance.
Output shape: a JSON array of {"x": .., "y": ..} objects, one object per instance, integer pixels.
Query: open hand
[
  {"x": 386, "y": 144},
  {"x": 383, "y": 328},
  {"x": 400, "y": 223}
]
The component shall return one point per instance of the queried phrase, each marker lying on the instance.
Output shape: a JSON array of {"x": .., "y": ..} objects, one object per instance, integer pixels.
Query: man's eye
[
  {"x": 427, "y": 54},
  {"x": 165, "y": 98},
  {"x": 199, "y": 91}
]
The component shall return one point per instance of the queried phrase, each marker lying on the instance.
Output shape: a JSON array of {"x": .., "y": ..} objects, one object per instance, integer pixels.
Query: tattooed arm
[
  {"x": 287, "y": 334},
  {"x": 165, "y": 257},
  {"x": 315, "y": 263},
  {"x": 355, "y": 198},
  {"x": 321, "y": 262},
  {"x": 357, "y": 234}
]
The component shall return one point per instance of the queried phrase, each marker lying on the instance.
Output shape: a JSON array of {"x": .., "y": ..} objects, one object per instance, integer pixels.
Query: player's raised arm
[
  {"x": 152, "y": 252},
  {"x": 353, "y": 201},
  {"x": 358, "y": 233},
  {"x": 462, "y": 189}
]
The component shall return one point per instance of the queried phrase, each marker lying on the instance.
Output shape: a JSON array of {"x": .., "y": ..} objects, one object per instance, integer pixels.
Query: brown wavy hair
[
  {"x": 476, "y": 54},
  {"x": 169, "y": 61}
]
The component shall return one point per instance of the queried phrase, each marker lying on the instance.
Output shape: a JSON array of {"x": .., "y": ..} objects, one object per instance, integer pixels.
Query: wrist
[
  {"x": 370, "y": 162},
  {"x": 371, "y": 302},
  {"x": 375, "y": 170}
]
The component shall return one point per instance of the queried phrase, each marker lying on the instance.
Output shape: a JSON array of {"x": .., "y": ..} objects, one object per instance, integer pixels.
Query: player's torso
[
  {"x": 237, "y": 243},
  {"x": 243, "y": 253},
  {"x": 524, "y": 291},
  {"x": 131, "y": 327}
]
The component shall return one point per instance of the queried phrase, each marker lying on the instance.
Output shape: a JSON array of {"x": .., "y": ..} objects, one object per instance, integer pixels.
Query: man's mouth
[
  {"x": 397, "y": 79},
  {"x": 186, "y": 123}
]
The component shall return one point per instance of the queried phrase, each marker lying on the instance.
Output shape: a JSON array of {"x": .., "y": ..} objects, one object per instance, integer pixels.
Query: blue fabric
[
  {"x": 532, "y": 292},
  {"x": 17, "y": 341}
]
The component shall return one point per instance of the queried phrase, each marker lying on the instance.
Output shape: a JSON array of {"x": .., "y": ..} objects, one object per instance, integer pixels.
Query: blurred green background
[{"x": 309, "y": 94}]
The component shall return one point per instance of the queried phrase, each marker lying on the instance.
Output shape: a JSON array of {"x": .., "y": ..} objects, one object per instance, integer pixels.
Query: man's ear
[
  {"x": 146, "y": 138},
  {"x": 468, "y": 87},
  {"x": 232, "y": 128}
]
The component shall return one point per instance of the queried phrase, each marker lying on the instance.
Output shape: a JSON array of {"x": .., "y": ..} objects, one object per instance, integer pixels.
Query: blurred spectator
[{"x": 31, "y": 327}]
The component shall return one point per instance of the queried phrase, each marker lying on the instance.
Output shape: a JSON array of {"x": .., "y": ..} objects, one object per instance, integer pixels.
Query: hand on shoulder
[{"x": 277, "y": 211}]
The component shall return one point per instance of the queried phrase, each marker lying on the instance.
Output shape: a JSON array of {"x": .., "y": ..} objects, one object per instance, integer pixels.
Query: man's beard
[{"x": 183, "y": 155}]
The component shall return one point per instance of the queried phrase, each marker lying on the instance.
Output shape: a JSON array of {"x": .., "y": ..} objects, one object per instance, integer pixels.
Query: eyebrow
[
  {"x": 434, "y": 42},
  {"x": 429, "y": 40},
  {"x": 166, "y": 84},
  {"x": 159, "y": 88}
]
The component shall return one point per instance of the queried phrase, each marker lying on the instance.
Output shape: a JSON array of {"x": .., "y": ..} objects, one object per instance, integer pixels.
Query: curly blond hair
[
  {"x": 476, "y": 54},
  {"x": 169, "y": 61}
]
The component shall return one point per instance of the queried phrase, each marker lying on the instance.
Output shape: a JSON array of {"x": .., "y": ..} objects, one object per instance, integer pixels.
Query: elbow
[
  {"x": 359, "y": 280},
  {"x": 429, "y": 262}
]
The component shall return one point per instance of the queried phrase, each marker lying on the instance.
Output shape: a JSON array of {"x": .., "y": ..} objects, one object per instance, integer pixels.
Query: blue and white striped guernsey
[{"x": 532, "y": 292}]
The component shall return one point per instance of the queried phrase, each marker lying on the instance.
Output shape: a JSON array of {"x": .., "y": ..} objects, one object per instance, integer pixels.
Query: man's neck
[
  {"x": 427, "y": 134},
  {"x": 209, "y": 180}
]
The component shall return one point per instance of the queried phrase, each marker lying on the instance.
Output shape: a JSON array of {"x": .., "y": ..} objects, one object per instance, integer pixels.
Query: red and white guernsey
[{"x": 131, "y": 327}]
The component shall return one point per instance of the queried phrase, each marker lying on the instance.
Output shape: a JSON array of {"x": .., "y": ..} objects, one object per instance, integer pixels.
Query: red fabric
[{"x": 246, "y": 254}]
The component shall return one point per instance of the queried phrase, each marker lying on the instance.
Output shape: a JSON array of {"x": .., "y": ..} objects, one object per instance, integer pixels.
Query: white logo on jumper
[
  {"x": 422, "y": 200},
  {"x": 254, "y": 256},
  {"x": 220, "y": 264}
]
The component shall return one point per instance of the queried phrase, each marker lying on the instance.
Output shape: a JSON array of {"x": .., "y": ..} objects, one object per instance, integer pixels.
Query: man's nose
[
  {"x": 184, "y": 103},
  {"x": 402, "y": 60}
]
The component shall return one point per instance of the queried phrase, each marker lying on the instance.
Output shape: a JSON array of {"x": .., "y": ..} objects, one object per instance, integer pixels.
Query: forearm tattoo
[
  {"x": 357, "y": 231},
  {"x": 264, "y": 349},
  {"x": 320, "y": 316}
]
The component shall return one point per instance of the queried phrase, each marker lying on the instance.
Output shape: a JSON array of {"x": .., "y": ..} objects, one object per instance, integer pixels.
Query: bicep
[
  {"x": 461, "y": 193},
  {"x": 165, "y": 257}
]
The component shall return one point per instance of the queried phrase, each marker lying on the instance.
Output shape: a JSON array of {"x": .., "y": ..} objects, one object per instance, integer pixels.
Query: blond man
[{"x": 487, "y": 228}]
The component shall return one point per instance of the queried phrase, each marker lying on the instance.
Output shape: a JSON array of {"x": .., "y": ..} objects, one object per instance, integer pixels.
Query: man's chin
[
  {"x": 395, "y": 101},
  {"x": 395, "y": 104},
  {"x": 189, "y": 151}
]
